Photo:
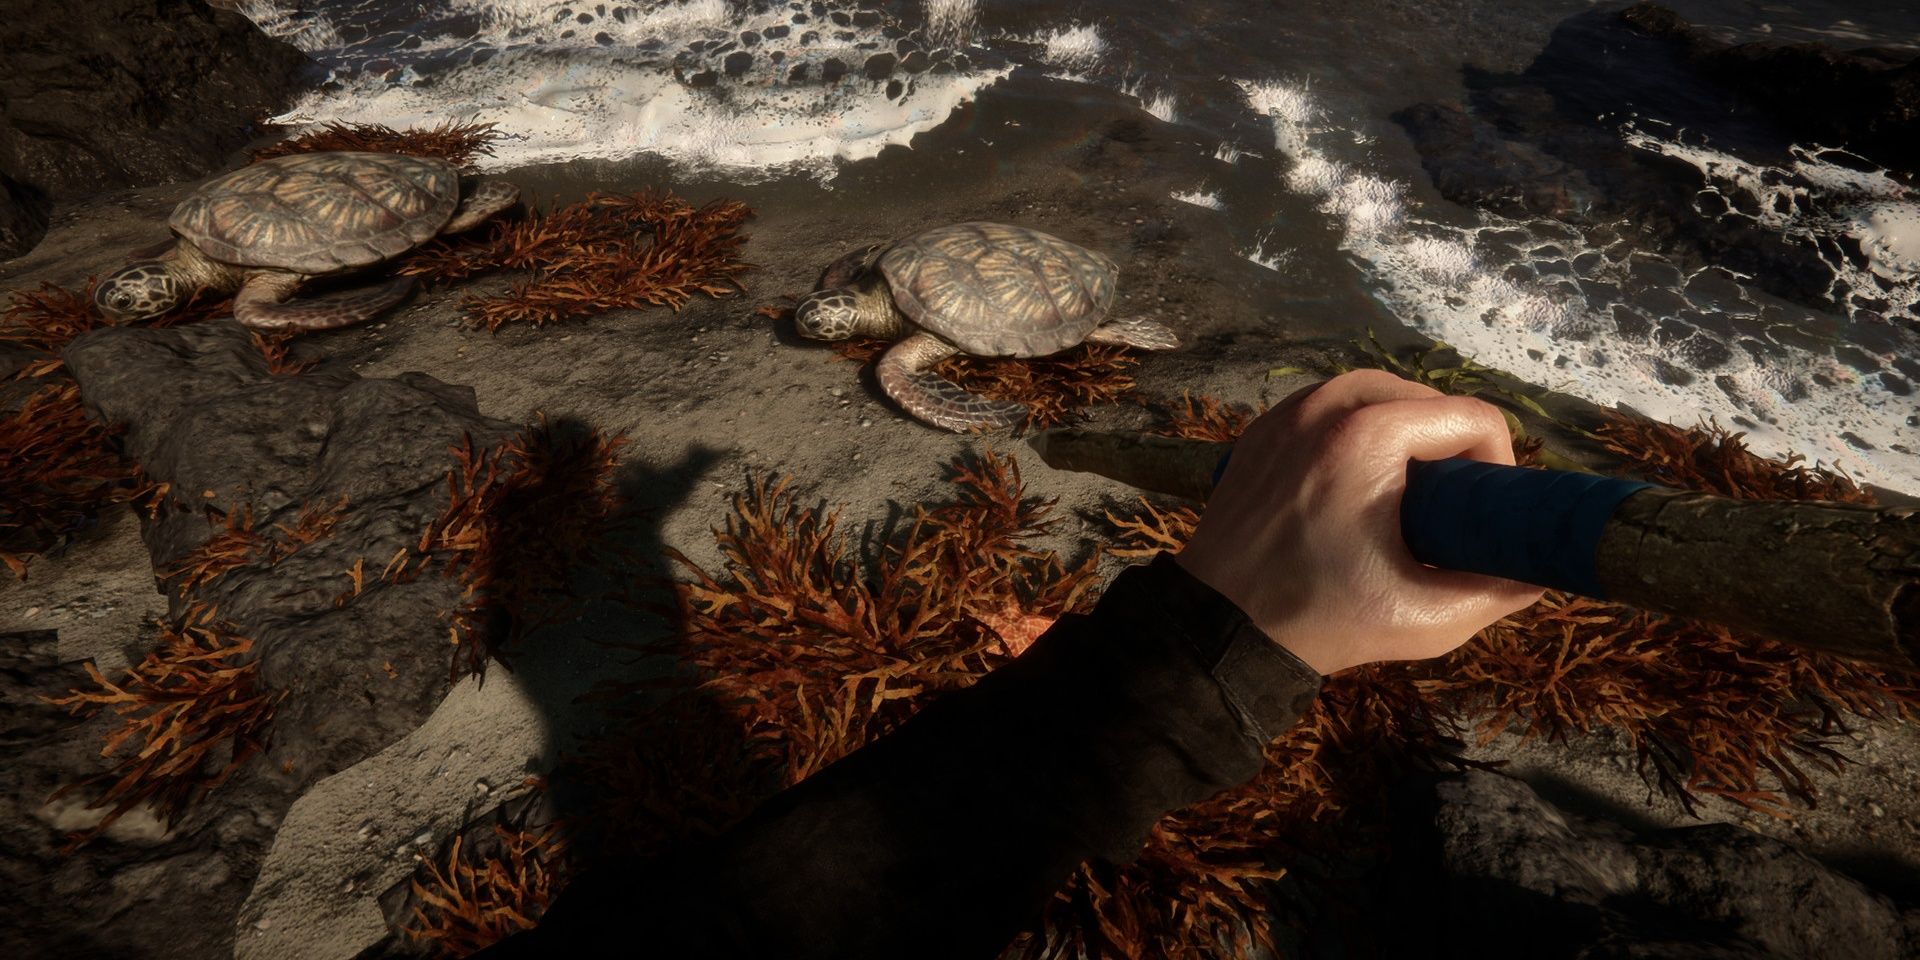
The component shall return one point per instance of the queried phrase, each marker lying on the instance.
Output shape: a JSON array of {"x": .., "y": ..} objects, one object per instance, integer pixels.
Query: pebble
[
  {"x": 866, "y": 422},
  {"x": 856, "y": 456},
  {"x": 1876, "y": 809}
]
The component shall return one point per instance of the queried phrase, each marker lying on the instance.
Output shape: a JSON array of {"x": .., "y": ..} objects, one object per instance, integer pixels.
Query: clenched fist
[{"x": 1303, "y": 531}]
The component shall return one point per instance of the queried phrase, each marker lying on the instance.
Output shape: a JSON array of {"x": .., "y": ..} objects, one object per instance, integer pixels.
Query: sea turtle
[
  {"x": 265, "y": 229},
  {"x": 984, "y": 289}
]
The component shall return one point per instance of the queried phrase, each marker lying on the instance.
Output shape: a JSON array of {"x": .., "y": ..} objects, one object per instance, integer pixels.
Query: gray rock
[
  {"x": 1487, "y": 868},
  {"x": 202, "y": 412},
  {"x": 118, "y": 93},
  {"x": 23, "y": 217}
]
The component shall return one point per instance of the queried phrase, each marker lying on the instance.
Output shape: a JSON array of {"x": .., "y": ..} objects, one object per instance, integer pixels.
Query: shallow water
[{"x": 1288, "y": 109}]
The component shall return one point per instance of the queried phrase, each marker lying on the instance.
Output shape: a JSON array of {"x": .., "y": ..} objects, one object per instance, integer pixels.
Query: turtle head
[
  {"x": 828, "y": 314},
  {"x": 139, "y": 290}
]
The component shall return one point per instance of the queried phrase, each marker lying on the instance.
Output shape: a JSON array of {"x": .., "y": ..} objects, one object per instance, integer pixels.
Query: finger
[
  {"x": 1359, "y": 388},
  {"x": 1316, "y": 403},
  {"x": 1457, "y": 427}
]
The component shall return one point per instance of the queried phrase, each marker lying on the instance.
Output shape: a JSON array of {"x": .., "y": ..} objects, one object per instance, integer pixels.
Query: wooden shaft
[{"x": 1842, "y": 578}]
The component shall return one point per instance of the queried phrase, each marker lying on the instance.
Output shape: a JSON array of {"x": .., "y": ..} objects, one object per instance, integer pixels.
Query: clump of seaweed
[
  {"x": 457, "y": 143},
  {"x": 47, "y": 318},
  {"x": 603, "y": 253},
  {"x": 58, "y": 469},
  {"x": 1053, "y": 389},
  {"x": 196, "y": 711},
  {"x": 478, "y": 897},
  {"x": 1709, "y": 458},
  {"x": 238, "y": 543},
  {"x": 519, "y": 519},
  {"x": 826, "y": 656}
]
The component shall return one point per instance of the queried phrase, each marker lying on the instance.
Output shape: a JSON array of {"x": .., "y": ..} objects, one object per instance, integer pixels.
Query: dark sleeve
[{"x": 946, "y": 837}]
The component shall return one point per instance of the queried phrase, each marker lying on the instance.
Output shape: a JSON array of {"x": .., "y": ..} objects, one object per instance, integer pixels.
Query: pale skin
[{"x": 1303, "y": 531}]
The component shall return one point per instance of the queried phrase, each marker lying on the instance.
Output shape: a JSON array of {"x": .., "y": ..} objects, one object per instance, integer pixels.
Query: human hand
[{"x": 1303, "y": 531}]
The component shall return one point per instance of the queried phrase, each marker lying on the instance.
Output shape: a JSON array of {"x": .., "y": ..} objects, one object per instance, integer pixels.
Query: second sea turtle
[{"x": 983, "y": 289}]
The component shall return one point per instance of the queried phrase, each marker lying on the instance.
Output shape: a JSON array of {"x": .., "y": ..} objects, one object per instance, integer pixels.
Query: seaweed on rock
[
  {"x": 457, "y": 143},
  {"x": 58, "y": 469},
  {"x": 195, "y": 711},
  {"x": 606, "y": 252},
  {"x": 519, "y": 518},
  {"x": 477, "y": 896},
  {"x": 1053, "y": 388}
]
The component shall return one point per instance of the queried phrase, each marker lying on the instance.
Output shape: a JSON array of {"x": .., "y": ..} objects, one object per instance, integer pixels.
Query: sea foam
[
  {"x": 675, "y": 79},
  {"x": 1540, "y": 300}
]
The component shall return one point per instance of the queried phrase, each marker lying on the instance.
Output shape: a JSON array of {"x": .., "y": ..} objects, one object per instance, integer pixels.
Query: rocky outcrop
[
  {"x": 118, "y": 93},
  {"x": 23, "y": 217},
  {"x": 1548, "y": 141},
  {"x": 362, "y": 659},
  {"x": 1868, "y": 99},
  {"x": 1489, "y": 869}
]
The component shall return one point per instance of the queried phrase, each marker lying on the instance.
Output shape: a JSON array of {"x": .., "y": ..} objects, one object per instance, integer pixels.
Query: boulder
[
  {"x": 1487, "y": 868},
  {"x": 118, "y": 93},
  {"x": 1866, "y": 98},
  {"x": 360, "y": 666}
]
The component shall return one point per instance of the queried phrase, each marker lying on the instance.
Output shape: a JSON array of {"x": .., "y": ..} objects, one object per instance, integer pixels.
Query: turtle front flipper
[
  {"x": 1136, "y": 333},
  {"x": 482, "y": 199},
  {"x": 262, "y": 303},
  {"x": 905, "y": 375}
]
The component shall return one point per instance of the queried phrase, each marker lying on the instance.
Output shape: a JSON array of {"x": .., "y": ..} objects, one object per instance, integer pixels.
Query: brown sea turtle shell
[
  {"x": 319, "y": 213},
  {"x": 999, "y": 290}
]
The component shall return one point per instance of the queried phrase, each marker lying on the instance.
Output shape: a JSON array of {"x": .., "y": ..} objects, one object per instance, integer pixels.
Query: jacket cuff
[{"x": 1267, "y": 687}]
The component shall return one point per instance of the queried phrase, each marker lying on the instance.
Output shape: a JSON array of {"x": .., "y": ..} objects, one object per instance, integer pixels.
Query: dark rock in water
[
  {"x": 1486, "y": 868},
  {"x": 1472, "y": 164},
  {"x": 203, "y": 413},
  {"x": 1549, "y": 141},
  {"x": 880, "y": 66},
  {"x": 832, "y": 70},
  {"x": 1868, "y": 99},
  {"x": 119, "y": 93},
  {"x": 24, "y": 212},
  {"x": 737, "y": 64}
]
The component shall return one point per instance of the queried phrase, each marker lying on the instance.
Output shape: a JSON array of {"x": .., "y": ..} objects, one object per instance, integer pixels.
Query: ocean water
[{"x": 1292, "y": 105}]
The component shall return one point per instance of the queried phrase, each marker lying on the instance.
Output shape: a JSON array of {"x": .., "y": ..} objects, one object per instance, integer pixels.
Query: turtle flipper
[
  {"x": 262, "y": 304},
  {"x": 481, "y": 200},
  {"x": 904, "y": 375},
  {"x": 845, "y": 270},
  {"x": 1137, "y": 333}
]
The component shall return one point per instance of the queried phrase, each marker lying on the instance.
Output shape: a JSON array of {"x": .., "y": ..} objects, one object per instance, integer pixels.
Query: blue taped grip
[{"x": 1538, "y": 526}]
